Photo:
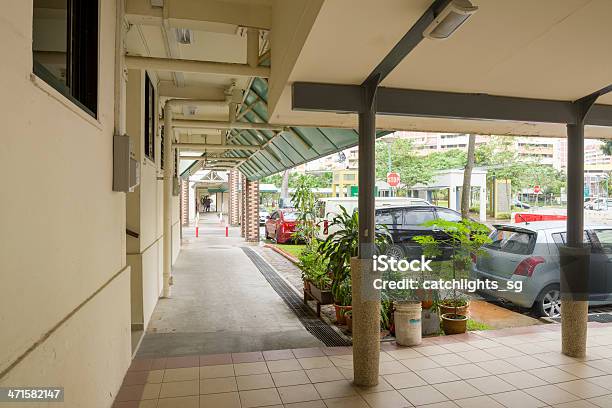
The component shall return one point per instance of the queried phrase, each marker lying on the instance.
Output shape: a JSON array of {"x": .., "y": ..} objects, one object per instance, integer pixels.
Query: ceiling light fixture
[
  {"x": 183, "y": 35},
  {"x": 449, "y": 19}
]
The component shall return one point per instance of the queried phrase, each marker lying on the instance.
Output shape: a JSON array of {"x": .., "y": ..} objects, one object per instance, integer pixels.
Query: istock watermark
[
  {"x": 383, "y": 263},
  {"x": 420, "y": 273}
]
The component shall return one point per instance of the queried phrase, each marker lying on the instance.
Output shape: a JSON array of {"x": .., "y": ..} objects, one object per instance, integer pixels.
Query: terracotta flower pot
[
  {"x": 349, "y": 322},
  {"x": 426, "y": 304},
  {"x": 454, "y": 323},
  {"x": 460, "y": 310},
  {"x": 340, "y": 310}
]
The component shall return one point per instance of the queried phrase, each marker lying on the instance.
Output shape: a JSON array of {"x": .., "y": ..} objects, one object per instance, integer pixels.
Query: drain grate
[
  {"x": 593, "y": 317},
  {"x": 304, "y": 313},
  {"x": 601, "y": 318}
]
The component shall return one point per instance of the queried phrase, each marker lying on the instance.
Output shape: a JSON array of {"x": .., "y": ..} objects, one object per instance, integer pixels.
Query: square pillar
[
  {"x": 366, "y": 299},
  {"x": 243, "y": 206},
  {"x": 234, "y": 198},
  {"x": 251, "y": 210}
]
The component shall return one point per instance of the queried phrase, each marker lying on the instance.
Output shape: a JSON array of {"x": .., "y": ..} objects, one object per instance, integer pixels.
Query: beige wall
[
  {"x": 145, "y": 210},
  {"x": 62, "y": 246}
]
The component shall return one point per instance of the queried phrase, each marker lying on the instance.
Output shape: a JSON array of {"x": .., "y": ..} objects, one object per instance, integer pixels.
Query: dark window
[
  {"x": 161, "y": 153},
  {"x": 65, "y": 49},
  {"x": 448, "y": 215},
  {"x": 417, "y": 217},
  {"x": 149, "y": 119},
  {"x": 561, "y": 237},
  {"x": 389, "y": 217}
]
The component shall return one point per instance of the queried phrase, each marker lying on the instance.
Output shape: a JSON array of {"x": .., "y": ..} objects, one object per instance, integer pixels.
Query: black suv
[{"x": 404, "y": 223}]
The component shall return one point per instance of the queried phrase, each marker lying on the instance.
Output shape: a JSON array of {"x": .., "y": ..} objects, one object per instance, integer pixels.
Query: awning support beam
[{"x": 307, "y": 96}]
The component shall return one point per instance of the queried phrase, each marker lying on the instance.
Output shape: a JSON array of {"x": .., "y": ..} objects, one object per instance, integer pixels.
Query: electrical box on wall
[
  {"x": 126, "y": 169},
  {"x": 176, "y": 186}
]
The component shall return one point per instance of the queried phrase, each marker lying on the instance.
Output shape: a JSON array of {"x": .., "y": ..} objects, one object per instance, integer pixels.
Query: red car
[{"x": 281, "y": 224}]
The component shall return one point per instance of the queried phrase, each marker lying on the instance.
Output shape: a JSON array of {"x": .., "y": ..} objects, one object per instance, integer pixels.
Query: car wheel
[
  {"x": 266, "y": 233},
  {"x": 395, "y": 251},
  {"x": 548, "y": 303}
]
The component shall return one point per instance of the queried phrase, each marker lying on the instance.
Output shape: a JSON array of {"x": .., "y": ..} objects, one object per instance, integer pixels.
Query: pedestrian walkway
[
  {"x": 508, "y": 368},
  {"x": 220, "y": 302}
]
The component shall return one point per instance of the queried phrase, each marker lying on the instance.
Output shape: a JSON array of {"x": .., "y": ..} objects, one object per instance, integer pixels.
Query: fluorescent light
[
  {"x": 183, "y": 35},
  {"x": 449, "y": 19}
]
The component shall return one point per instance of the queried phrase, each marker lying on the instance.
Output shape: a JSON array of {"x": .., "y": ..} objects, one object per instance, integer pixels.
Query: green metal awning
[{"x": 282, "y": 150}]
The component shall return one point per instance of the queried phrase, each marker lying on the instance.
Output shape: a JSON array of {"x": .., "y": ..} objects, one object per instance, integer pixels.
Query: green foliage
[
  {"x": 313, "y": 267},
  {"x": 465, "y": 238},
  {"x": 386, "y": 307},
  {"x": 606, "y": 147},
  {"x": 473, "y": 325},
  {"x": 319, "y": 180},
  {"x": 305, "y": 202},
  {"x": 343, "y": 244}
]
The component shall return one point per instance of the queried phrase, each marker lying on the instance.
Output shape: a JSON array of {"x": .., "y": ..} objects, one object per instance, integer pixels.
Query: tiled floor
[{"x": 511, "y": 368}]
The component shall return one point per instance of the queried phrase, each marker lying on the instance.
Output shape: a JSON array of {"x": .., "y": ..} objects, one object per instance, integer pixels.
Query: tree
[
  {"x": 606, "y": 147},
  {"x": 305, "y": 201},
  {"x": 467, "y": 177},
  {"x": 284, "y": 193},
  {"x": 413, "y": 168}
]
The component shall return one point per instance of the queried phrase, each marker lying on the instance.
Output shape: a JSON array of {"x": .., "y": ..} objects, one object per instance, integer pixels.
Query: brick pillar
[
  {"x": 234, "y": 198},
  {"x": 243, "y": 202},
  {"x": 185, "y": 202},
  {"x": 251, "y": 211}
]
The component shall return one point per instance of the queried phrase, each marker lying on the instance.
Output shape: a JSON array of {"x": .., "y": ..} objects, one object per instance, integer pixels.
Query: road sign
[
  {"x": 537, "y": 190},
  {"x": 393, "y": 179}
]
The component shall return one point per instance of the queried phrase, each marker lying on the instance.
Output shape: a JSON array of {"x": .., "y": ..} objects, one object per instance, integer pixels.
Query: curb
[{"x": 283, "y": 253}]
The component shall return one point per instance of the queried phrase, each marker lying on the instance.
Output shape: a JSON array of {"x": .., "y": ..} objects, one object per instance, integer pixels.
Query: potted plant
[
  {"x": 340, "y": 246},
  {"x": 464, "y": 239},
  {"x": 343, "y": 300},
  {"x": 348, "y": 316}
]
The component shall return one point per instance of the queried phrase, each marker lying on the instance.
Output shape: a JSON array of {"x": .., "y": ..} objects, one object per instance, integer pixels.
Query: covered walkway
[
  {"x": 511, "y": 368},
  {"x": 220, "y": 302}
]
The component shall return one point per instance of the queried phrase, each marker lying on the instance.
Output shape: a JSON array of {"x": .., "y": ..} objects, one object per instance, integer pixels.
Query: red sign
[
  {"x": 536, "y": 189},
  {"x": 393, "y": 179}
]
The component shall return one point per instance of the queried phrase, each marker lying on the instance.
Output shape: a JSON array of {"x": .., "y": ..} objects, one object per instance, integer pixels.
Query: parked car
[
  {"x": 328, "y": 208},
  {"x": 529, "y": 253},
  {"x": 281, "y": 225},
  {"x": 263, "y": 215},
  {"x": 406, "y": 222},
  {"x": 599, "y": 204},
  {"x": 520, "y": 204}
]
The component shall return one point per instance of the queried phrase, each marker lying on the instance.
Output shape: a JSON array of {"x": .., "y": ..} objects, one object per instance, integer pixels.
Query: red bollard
[
  {"x": 226, "y": 231},
  {"x": 197, "y": 231}
]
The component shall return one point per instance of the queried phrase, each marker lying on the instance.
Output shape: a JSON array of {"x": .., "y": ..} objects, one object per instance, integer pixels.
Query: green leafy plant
[
  {"x": 313, "y": 267},
  {"x": 305, "y": 202},
  {"x": 464, "y": 239},
  {"x": 343, "y": 244}
]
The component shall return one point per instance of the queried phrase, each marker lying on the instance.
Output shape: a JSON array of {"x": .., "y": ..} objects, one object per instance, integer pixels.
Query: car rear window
[
  {"x": 514, "y": 242},
  {"x": 290, "y": 216},
  {"x": 417, "y": 217}
]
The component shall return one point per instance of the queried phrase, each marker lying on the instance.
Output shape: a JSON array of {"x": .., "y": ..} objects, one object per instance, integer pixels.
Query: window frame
[
  {"x": 82, "y": 86},
  {"x": 149, "y": 118}
]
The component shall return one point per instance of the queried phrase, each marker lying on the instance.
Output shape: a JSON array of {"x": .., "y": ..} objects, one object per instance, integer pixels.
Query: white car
[{"x": 263, "y": 215}]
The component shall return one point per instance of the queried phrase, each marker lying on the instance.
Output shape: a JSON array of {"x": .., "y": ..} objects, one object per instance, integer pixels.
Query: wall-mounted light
[
  {"x": 449, "y": 19},
  {"x": 183, "y": 35}
]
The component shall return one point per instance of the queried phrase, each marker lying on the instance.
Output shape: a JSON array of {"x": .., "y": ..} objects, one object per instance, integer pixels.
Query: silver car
[{"x": 528, "y": 253}]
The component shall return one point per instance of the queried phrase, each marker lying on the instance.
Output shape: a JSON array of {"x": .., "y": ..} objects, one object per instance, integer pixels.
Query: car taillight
[{"x": 527, "y": 266}]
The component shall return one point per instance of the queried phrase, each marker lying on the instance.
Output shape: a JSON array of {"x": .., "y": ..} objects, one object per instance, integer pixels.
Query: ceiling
[{"x": 550, "y": 49}]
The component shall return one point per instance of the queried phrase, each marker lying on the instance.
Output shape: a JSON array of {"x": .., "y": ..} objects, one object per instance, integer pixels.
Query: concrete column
[
  {"x": 251, "y": 211},
  {"x": 574, "y": 257},
  {"x": 366, "y": 299},
  {"x": 234, "y": 198}
]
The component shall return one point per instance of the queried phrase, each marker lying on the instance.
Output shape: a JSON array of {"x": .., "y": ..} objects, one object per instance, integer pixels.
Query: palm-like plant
[{"x": 342, "y": 245}]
